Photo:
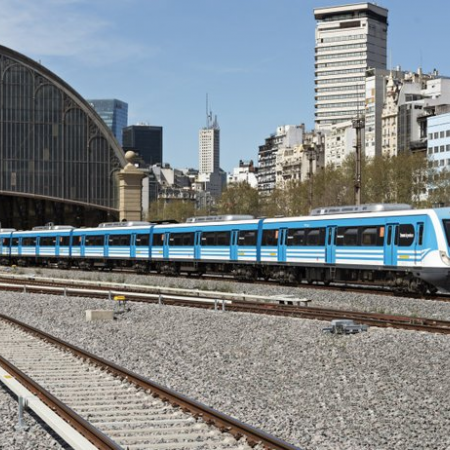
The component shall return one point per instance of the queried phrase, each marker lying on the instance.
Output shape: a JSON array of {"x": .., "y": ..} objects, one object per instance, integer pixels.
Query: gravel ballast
[
  {"x": 383, "y": 389},
  {"x": 35, "y": 437}
]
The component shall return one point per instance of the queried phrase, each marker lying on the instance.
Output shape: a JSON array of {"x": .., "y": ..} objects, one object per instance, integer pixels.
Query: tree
[
  {"x": 439, "y": 193},
  {"x": 178, "y": 210},
  {"x": 239, "y": 198}
]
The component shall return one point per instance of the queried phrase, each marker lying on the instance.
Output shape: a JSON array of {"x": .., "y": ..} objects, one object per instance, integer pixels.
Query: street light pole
[
  {"x": 311, "y": 154},
  {"x": 358, "y": 124}
]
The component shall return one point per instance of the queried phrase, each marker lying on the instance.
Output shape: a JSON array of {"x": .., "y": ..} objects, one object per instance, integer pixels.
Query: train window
[
  {"x": 116, "y": 240},
  {"x": 372, "y": 237},
  {"x": 247, "y": 238},
  {"x": 64, "y": 241},
  {"x": 158, "y": 239},
  {"x": 181, "y": 239},
  {"x": 216, "y": 238},
  {"x": 14, "y": 242},
  {"x": 209, "y": 239},
  {"x": 389, "y": 235},
  {"x": 346, "y": 236},
  {"x": 315, "y": 237},
  {"x": 447, "y": 230},
  {"x": 142, "y": 240},
  {"x": 76, "y": 241},
  {"x": 405, "y": 235},
  {"x": 29, "y": 241},
  {"x": 47, "y": 241},
  {"x": 93, "y": 241},
  {"x": 296, "y": 237},
  {"x": 6, "y": 242},
  {"x": 270, "y": 237},
  {"x": 420, "y": 238},
  {"x": 223, "y": 238}
]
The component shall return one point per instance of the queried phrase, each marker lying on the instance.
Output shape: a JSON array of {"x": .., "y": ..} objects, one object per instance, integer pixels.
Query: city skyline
[{"x": 162, "y": 57}]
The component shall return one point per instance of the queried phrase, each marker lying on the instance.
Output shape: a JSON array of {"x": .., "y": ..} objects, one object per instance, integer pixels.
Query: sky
[{"x": 254, "y": 59}]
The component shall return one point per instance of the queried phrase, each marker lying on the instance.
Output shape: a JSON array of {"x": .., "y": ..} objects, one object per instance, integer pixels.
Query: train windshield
[{"x": 447, "y": 230}]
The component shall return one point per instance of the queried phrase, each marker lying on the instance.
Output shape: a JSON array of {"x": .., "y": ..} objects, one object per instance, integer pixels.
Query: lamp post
[
  {"x": 311, "y": 154},
  {"x": 358, "y": 124}
]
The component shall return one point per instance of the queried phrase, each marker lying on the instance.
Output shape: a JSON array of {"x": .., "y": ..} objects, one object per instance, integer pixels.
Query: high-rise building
[
  {"x": 211, "y": 180},
  {"x": 114, "y": 113},
  {"x": 286, "y": 136},
  {"x": 146, "y": 141},
  {"x": 209, "y": 146},
  {"x": 349, "y": 40}
]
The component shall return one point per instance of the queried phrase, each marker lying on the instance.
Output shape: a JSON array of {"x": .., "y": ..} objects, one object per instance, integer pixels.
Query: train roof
[
  {"x": 371, "y": 207},
  {"x": 360, "y": 215}
]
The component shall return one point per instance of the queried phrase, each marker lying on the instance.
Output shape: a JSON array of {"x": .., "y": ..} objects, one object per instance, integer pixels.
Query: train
[{"x": 391, "y": 245}]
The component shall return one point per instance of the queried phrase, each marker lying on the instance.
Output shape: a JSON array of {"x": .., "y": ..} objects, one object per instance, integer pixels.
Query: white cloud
[{"x": 65, "y": 28}]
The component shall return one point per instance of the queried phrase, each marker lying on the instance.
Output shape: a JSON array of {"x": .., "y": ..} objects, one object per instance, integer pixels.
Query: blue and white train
[{"x": 390, "y": 245}]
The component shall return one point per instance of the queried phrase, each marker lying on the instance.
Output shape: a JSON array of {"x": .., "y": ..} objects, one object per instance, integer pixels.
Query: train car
[{"x": 390, "y": 245}]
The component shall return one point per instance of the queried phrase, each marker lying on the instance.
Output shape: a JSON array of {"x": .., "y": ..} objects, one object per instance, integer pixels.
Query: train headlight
[{"x": 445, "y": 258}]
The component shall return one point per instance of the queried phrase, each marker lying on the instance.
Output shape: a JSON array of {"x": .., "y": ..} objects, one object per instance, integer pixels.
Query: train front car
[{"x": 436, "y": 262}]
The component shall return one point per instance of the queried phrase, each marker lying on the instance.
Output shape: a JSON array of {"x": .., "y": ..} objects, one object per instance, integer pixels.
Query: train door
[
  {"x": 197, "y": 245},
  {"x": 282, "y": 238},
  {"x": 57, "y": 244},
  {"x": 234, "y": 245},
  {"x": 330, "y": 245},
  {"x": 390, "y": 244},
  {"x": 166, "y": 245},
  {"x": 418, "y": 243},
  {"x": 106, "y": 246},
  {"x": 133, "y": 245}
]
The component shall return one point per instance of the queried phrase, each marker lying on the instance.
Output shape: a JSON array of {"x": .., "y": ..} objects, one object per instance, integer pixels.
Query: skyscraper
[
  {"x": 209, "y": 146},
  {"x": 146, "y": 140},
  {"x": 349, "y": 40},
  {"x": 210, "y": 180},
  {"x": 114, "y": 113}
]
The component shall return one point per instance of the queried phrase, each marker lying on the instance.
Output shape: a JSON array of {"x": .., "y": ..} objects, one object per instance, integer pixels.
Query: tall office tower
[
  {"x": 211, "y": 180},
  {"x": 349, "y": 40},
  {"x": 209, "y": 146},
  {"x": 114, "y": 113},
  {"x": 146, "y": 141}
]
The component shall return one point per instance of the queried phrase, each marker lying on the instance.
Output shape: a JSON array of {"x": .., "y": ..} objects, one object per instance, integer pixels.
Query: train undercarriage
[{"x": 397, "y": 280}]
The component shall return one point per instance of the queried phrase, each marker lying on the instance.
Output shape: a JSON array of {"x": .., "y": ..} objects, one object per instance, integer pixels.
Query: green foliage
[
  {"x": 239, "y": 198},
  {"x": 178, "y": 210},
  {"x": 439, "y": 188},
  {"x": 400, "y": 179}
]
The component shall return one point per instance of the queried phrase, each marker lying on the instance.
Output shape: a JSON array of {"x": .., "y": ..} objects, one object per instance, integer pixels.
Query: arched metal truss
[{"x": 53, "y": 145}]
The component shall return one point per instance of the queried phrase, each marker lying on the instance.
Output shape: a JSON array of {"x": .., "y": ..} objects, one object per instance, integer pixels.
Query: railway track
[
  {"x": 111, "y": 407},
  {"x": 226, "y": 301},
  {"x": 332, "y": 287}
]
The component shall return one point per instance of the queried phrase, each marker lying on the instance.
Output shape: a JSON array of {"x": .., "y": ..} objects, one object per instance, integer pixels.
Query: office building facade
[
  {"x": 209, "y": 147},
  {"x": 146, "y": 141},
  {"x": 114, "y": 113},
  {"x": 349, "y": 40}
]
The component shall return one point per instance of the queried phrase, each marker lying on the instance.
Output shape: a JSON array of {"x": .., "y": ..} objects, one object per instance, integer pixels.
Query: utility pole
[
  {"x": 311, "y": 153},
  {"x": 358, "y": 124}
]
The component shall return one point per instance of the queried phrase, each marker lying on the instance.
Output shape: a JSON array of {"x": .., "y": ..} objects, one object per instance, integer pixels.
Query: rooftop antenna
[{"x": 208, "y": 114}]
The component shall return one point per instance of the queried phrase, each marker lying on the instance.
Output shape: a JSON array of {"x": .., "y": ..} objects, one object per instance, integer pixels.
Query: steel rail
[
  {"x": 242, "y": 303},
  {"x": 209, "y": 415},
  {"x": 92, "y": 434}
]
